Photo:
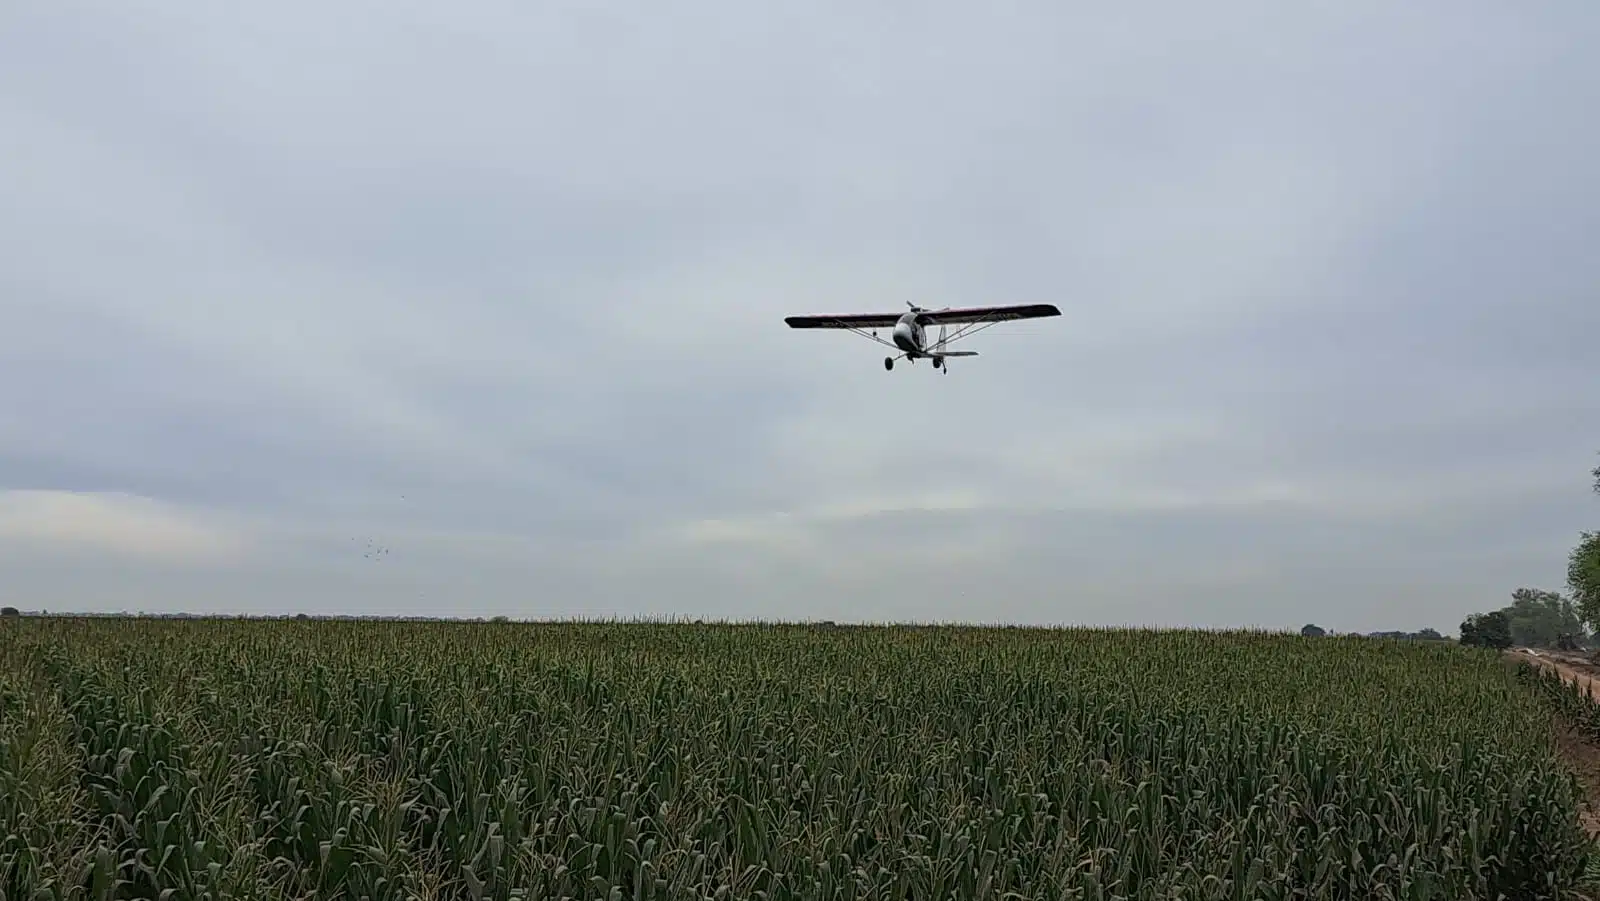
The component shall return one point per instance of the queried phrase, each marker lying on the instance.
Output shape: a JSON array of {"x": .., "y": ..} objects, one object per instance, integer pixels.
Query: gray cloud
[{"x": 504, "y": 291}]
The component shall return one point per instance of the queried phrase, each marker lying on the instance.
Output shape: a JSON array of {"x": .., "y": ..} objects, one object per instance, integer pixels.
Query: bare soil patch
[
  {"x": 1583, "y": 755},
  {"x": 1570, "y": 666}
]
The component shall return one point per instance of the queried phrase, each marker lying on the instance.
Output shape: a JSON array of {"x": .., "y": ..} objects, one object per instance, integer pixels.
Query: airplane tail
[{"x": 939, "y": 347}]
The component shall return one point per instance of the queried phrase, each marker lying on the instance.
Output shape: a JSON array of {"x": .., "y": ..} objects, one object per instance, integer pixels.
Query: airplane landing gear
[{"x": 888, "y": 363}]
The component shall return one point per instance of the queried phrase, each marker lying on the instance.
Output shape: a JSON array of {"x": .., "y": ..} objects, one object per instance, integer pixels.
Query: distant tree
[
  {"x": 1540, "y": 618},
  {"x": 1583, "y": 572},
  {"x": 1583, "y": 578},
  {"x": 1312, "y": 630},
  {"x": 301, "y": 617},
  {"x": 10, "y": 611},
  {"x": 1487, "y": 630},
  {"x": 1402, "y": 635}
]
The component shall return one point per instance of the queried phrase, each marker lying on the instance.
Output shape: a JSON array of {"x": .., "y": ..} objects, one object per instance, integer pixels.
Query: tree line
[{"x": 1312, "y": 630}]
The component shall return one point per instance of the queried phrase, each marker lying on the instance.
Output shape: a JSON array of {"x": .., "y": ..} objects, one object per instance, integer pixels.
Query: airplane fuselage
[{"x": 908, "y": 335}]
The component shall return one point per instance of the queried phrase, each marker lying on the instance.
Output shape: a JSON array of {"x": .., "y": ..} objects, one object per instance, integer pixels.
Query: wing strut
[
  {"x": 870, "y": 336},
  {"x": 967, "y": 330}
]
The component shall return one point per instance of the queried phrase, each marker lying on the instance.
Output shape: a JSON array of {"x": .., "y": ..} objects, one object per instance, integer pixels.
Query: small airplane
[{"x": 909, "y": 329}]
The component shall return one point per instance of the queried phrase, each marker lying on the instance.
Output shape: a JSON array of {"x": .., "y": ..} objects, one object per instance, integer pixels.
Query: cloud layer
[{"x": 502, "y": 291}]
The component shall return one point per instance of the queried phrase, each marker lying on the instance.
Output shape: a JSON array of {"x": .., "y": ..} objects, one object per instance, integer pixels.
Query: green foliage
[
  {"x": 1487, "y": 630},
  {"x": 1312, "y": 630},
  {"x": 1534, "y": 618},
  {"x": 1583, "y": 578},
  {"x": 1542, "y": 619},
  {"x": 384, "y": 760},
  {"x": 10, "y": 611},
  {"x": 1583, "y": 572}
]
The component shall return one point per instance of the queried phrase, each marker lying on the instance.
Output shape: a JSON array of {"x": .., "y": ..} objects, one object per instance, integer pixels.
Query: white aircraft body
[{"x": 909, "y": 330}]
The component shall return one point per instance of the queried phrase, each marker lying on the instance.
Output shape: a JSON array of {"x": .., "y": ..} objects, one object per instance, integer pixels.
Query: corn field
[{"x": 390, "y": 760}]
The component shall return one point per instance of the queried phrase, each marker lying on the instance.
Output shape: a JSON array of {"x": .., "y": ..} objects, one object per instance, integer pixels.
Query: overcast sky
[{"x": 500, "y": 287}]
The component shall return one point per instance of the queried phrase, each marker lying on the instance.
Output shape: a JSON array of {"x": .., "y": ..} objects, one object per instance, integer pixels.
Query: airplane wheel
[{"x": 888, "y": 362}]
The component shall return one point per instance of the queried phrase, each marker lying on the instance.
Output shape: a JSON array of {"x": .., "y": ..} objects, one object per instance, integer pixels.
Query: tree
[
  {"x": 1583, "y": 571},
  {"x": 1583, "y": 578},
  {"x": 10, "y": 611},
  {"x": 1312, "y": 630},
  {"x": 1542, "y": 619},
  {"x": 1487, "y": 630}
]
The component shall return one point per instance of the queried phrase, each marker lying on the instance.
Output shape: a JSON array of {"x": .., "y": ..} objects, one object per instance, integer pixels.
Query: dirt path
[{"x": 1570, "y": 667}]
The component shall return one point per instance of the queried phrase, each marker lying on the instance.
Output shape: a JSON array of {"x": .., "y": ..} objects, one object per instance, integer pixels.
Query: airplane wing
[
  {"x": 963, "y": 315},
  {"x": 845, "y": 320},
  {"x": 960, "y": 315}
]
